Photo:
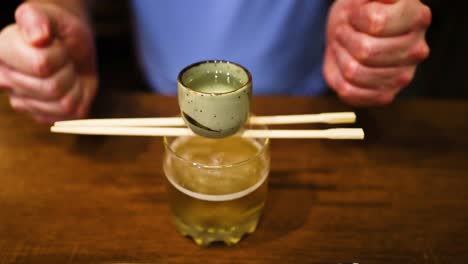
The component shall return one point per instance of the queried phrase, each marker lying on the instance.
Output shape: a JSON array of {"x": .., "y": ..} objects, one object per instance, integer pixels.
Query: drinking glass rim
[
  {"x": 248, "y": 82},
  {"x": 263, "y": 147}
]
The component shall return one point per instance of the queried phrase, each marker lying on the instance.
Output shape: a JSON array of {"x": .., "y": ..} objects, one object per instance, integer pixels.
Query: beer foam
[{"x": 221, "y": 197}]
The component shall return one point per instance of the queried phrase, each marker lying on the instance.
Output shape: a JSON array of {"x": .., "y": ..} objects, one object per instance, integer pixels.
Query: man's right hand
[{"x": 47, "y": 63}]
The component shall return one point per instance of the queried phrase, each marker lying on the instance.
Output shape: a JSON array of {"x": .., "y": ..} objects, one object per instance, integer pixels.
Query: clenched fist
[
  {"x": 373, "y": 48},
  {"x": 47, "y": 63}
]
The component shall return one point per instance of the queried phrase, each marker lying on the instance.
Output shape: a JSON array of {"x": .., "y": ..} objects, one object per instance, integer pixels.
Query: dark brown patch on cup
[{"x": 197, "y": 124}]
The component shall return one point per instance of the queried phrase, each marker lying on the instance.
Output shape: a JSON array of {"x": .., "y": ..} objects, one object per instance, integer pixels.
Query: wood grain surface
[{"x": 400, "y": 196}]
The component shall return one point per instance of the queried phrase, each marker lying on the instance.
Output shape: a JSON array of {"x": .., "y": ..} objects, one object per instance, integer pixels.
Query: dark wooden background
[{"x": 443, "y": 75}]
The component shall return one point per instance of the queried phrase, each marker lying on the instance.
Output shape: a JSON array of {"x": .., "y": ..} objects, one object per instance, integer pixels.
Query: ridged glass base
[{"x": 205, "y": 236}]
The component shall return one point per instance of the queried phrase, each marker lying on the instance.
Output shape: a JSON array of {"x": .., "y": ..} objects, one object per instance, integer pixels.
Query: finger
[
  {"x": 17, "y": 103},
  {"x": 329, "y": 68},
  {"x": 408, "y": 49},
  {"x": 357, "y": 96},
  {"x": 17, "y": 54},
  {"x": 385, "y": 20},
  {"x": 373, "y": 77},
  {"x": 74, "y": 31},
  {"x": 50, "y": 88},
  {"x": 66, "y": 106},
  {"x": 89, "y": 84},
  {"x": 33, "y": 24},
  {"x": 349, "y": 93}
]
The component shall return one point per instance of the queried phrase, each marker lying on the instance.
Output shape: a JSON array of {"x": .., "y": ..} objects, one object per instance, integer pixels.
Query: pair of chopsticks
[{"x": 175, "y": 126}]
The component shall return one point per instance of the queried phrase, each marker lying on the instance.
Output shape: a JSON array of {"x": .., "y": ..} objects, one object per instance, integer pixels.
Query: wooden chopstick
[
  {"x": 125, "y": 122},
  {"x": 329, "y": 118},
  {"x": 333, "y": 133}
]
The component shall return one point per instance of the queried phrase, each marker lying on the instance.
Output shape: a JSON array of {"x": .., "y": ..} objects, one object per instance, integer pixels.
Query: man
[{"x": 367, "y": 50}]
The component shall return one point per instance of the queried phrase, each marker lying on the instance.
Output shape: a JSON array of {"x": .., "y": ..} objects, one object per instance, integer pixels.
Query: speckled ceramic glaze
[{"x": 210, "y": 112}]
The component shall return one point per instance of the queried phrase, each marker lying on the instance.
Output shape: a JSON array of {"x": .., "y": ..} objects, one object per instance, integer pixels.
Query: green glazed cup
[{"x": 214, "y": 97}]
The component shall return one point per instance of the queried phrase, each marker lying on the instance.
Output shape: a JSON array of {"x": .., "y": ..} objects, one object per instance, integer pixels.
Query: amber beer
[{"x": 217, "y": 187}]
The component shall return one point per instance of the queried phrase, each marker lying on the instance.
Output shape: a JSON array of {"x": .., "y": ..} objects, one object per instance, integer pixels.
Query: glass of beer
[{"x": 217, "y": 187}]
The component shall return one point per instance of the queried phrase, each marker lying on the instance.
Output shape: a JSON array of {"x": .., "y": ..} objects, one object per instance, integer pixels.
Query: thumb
[
  {"x": 72, "y": 29},
  {"x": 34, "y": 24}
]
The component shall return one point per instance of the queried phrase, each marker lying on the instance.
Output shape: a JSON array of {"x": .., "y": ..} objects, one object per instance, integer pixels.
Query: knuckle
[
  {"x": 420, "y": 52},
  {"x": 345, "y": 91},
  {"x": 67, "y": 105},
  {"x": 364, "y": 50},
  {"x": 41, "y": 65},
  {"x": 425, "y": 51},
  {"x": 350, "y": 68},
  {"x": 83, "y": 110},
  {"x": 52, "y": 89},
  {"x": 328, "y": 78},
  {"x": 16, "y": 104},
  {"x": 4, "y": 81},
  {"x": 327, "y": 71},
  {"x": 340, "y": 32},
  {"x": 426, "y": 16},
  {"x": 377, "y": 19},
  {"x": 405, "y": 78},
  {"x": 23, "y": 8}
]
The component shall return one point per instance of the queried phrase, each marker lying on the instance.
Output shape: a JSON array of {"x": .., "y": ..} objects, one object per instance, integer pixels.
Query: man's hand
[
  {"x": 373, "y": 48},
  {"x": 47, "y": 63}
]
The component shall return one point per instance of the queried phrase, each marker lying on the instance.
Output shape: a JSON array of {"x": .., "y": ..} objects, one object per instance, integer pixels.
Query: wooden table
[{"x": 401, "y": 196}]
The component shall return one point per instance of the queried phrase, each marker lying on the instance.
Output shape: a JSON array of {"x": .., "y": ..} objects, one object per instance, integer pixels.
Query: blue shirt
[{"x": 280, "y": 42}]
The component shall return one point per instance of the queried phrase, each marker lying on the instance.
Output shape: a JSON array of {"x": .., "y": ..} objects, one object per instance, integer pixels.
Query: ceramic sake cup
[{"x": 214, "y": 97}]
